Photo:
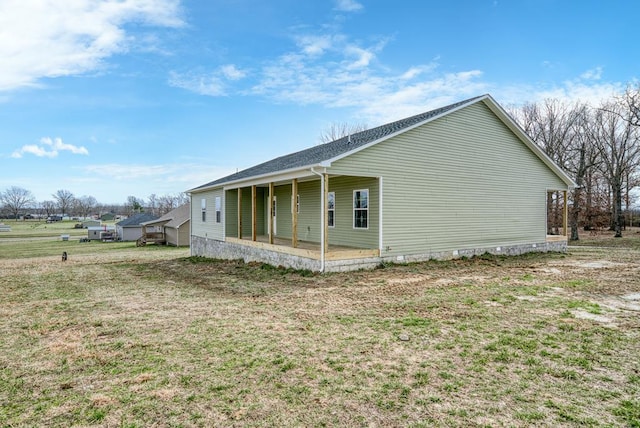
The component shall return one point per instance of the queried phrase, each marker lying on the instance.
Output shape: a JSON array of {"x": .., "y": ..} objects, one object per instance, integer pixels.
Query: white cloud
[
  {"x": 333, "y": 71},
  {"x": 314, "y": 45},
  {"x": 593, "y": 74},
  {"x": 48, "y": 38},
  {"x": 348, "y": 5},
  {"x": 363, "y": 56},
  {"x": 232, "y": 73},
  {"x": 49, "y": 148},
  {"x": 587, "y": 88},
  {"x": 210, "y": 85},
  {"x": 214, "y": 84},
  {"x": 178, "y": 176}
]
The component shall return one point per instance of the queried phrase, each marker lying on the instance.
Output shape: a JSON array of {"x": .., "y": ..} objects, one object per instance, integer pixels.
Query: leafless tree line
[
  {"x": 16, "y": 202},
  {"x": 599, "y": 146}
]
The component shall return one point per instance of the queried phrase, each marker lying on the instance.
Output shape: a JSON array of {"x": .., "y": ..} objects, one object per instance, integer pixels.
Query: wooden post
[
  {"x": 253, "y": 214},
  {"x": 239, "y": 213},
  {"x": 271, "y": 213},
  {"x": 294, "y": 213},
  {"x": 565, "y": 215},
  {"x": 325, "y": 228}
]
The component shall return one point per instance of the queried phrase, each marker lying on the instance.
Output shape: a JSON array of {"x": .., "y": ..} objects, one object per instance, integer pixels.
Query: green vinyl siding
[
  {"x": 231, "y": 212},
  {"x": 461, "y": 181},
  {"x": 209, "y": 228},
  {"x": 344, "y": 233}
]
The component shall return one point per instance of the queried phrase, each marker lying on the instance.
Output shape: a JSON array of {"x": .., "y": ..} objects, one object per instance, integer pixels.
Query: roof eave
[{"x": 287, "y": 174}]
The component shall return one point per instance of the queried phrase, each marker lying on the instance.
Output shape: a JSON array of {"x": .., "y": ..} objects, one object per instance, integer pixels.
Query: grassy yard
[
  {"x": 42, "y": 229},
  {"x": 121, "y": 336}
]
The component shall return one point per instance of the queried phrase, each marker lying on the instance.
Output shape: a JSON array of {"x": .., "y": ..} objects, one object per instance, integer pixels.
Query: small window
[
  {"x": 203, "y": 205},
  {"x": 361, "y": 209},
  {"x": 218, "y": 209},
  {"x": 331, "y": 209}
]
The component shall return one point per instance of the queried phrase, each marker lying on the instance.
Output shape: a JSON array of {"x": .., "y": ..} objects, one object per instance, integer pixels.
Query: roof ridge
[{"x": 322, "y": 152}]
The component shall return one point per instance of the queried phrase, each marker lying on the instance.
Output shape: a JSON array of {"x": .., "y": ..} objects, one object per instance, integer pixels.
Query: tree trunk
[
  {"x": 617, "y": 209},
  {"x": 589, "y": 204},
  {"x": 575, "y": 213},
  {"x": 549, "y": 213}
]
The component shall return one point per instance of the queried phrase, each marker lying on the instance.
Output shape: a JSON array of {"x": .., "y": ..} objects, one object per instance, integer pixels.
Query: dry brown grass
[{"x": 152, "y": 338}]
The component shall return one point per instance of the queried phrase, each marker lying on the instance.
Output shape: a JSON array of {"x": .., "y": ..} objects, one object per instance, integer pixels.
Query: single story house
[
  {"x": 101, "y": 233},
  {"x": 456, "y": 181},
  {"x": 173, "y": 227},
  {"x": 108, "y": 217},
  {"x": 90, "y": 223},
  {"x": 131, "y": 228}
]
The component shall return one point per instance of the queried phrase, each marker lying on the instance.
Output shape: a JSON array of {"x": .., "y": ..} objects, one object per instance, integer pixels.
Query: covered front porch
[{"x": 317, "y": 217}]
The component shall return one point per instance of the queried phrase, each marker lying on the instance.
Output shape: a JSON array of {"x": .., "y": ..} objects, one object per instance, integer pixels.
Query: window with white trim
[
  {"x": 203, "y": 206},
  {"x": 361, "y": 209},
  {"x": 218, "y": 209},
  {"x": 331, "y": 209}
]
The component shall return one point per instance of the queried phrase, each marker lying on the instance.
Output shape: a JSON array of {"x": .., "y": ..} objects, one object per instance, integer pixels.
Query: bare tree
[
  {"x": 551, "y": 124},
  {"x": 617, "y": 141},
  {"x": 48, "y": 207},
  {"x": 153, "y": 204},
  {"x": 134, "y": 205},
  {"x": 15, "y": 199},
  {"x": 583, "y": 158},
  {"x": 336, "y": 131},
  {"x": 64, "y": 199},
  {"x": 182, "y": 198},
  {"x": 166, "y": 203},
  {"x": 631, "y": 99},
  {"x": 85, "y": 204}
]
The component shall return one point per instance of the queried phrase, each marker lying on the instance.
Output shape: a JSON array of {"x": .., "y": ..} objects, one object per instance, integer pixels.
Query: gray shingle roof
[
  {"x": 174, "y": 218},
  {"x": 323, "y": 152},
  {"x": 136, "y": 220}
]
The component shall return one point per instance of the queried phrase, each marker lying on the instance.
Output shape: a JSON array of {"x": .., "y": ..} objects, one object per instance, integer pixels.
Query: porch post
[
  {"x": 253, "y": 213},
  {"x": 325, "y": 208},
  {"x": 239, "y": 213},
  {"x": 271, "y": 212},
  {"x": 294, "y": 213},
  {"x": 565, "y": 215}
]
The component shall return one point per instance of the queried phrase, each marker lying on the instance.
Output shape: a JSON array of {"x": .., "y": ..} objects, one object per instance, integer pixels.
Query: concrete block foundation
[{"x": 205, "y": 247}]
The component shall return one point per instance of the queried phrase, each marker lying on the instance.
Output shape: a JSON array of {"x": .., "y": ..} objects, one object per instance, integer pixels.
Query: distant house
[
  {"x": 108, "y": 217},
  {"x": 173, "y": 226},
  {"x": 456, "y": 181},
  {"x": 90, "y": 223},
  {"x": 130, "y": 229},
  {"x": 101, "y": 233}
]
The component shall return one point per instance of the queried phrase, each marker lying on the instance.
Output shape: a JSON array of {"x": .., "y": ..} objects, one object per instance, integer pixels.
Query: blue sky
[{"x": 112, "y": 98}]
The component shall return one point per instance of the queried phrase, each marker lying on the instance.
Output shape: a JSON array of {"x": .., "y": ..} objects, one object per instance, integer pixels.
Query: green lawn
[
  {"x": 40, "y": 228},
  {"x": 120, "y": 336}
]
